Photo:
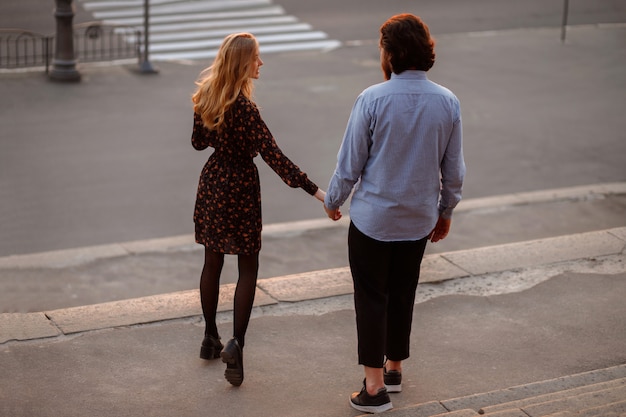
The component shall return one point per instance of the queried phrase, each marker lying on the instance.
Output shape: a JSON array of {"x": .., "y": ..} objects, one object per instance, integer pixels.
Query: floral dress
[{"x": 227, "y": 213}]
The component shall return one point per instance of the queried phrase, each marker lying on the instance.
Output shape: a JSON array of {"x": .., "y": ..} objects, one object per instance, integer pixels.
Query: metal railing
[
  {"x": 93, "y": 42},
  {"x": 21, "y": 48}
]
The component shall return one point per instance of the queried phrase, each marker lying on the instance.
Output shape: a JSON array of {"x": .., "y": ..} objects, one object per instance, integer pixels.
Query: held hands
[
  {"x": 333, "y": 214},
  {"x": 441, "y": 230}
]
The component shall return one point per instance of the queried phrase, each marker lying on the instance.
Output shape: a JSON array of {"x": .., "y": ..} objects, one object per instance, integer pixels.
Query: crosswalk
[{"x": 194, "y": 29}]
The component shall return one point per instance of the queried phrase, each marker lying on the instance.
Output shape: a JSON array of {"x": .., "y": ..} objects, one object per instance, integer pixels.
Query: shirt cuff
[{"x": 446, "y": 212}]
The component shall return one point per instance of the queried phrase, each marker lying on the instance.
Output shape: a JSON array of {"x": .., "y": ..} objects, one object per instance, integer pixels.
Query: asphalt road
[{"x": 109, "y": 159}]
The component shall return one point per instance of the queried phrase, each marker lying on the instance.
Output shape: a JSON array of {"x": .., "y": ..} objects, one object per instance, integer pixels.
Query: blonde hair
[{"x": 220, "y": 84}]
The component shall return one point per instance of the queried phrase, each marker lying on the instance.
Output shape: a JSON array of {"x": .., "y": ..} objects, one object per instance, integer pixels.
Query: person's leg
[
  {"x": 244, "y": 294},
  {"x": 209, "y": 295},
  {"x": 404, "y": 273},
  {"x": 232, "y": 354},
  {"x": 209, "y": 289},
  {"x": 403, "y": 277},
  {"x": 369, "y": 266},
  {"x": 373, "y": 379},
  {"x": 368, "y": 260}
]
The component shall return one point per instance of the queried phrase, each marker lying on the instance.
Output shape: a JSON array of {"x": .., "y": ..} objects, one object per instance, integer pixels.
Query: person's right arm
[{"x": 352, "y": 157}]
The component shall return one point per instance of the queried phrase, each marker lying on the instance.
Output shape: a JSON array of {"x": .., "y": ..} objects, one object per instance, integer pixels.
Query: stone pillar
[{"x": 64, "y": 62}]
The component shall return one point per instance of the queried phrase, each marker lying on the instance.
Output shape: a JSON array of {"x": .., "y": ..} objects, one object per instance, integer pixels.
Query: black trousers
[{"x": 385, "y": 277}]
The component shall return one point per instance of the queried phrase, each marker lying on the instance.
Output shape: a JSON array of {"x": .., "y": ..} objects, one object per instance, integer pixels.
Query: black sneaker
[
  {"x": 211, "y": 347},
  {"x": 393, "y": 380},
  {"x": 365, "y": 402}
]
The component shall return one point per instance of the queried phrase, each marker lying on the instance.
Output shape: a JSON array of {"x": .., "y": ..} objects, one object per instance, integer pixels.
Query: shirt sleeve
[
  {"x": 201, "y": 137},
  {"x": 273, "y": 156},
  {"x": 452, "y": 172},
  {"x": 352, "y": 155}
]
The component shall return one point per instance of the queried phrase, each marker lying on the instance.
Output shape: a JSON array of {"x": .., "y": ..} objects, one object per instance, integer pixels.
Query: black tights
[{"x": 244, "y": 293}]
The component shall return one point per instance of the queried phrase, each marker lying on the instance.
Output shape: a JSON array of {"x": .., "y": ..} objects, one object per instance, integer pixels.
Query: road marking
[{"x": 191, "y": 30}]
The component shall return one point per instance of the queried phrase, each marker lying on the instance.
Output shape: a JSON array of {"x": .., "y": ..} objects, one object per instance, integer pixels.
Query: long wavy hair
[{"x": 220, "y": 84}]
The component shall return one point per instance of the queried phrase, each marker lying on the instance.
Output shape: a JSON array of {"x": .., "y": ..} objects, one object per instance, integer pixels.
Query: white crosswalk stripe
[{"x": 194, "y": 29}]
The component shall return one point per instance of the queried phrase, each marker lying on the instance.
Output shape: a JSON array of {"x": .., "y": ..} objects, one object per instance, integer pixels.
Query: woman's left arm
[{"x": 274, "y": 157}]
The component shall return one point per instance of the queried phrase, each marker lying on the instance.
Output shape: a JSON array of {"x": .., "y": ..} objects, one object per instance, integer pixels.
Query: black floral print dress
[{"x": 227, "y": 213}]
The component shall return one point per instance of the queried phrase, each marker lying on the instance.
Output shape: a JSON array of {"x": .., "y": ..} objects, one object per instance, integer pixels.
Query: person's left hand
[
  {"x": 334, "y": 214},
  {"x": 441, "y": 230}
]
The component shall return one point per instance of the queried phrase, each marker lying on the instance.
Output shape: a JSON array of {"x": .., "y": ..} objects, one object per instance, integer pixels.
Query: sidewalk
[
  {"x": 527, "y": 127},
  {"x": 528, "y": 287},
  {"x": 485, "y": 319},
  {"x": 93, "y": 275}
]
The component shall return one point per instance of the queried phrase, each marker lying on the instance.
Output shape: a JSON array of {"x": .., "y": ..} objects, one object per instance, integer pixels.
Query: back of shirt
[{"x": 403, "y": 142}]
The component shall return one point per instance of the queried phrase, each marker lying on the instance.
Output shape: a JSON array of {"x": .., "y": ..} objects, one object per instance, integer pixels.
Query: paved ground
[
  {"x": 546, "y": 117},
  {"x": 515, "y": 314},
  {"x": 91, "y": 275},
  {"x": 505, "y": 313}
]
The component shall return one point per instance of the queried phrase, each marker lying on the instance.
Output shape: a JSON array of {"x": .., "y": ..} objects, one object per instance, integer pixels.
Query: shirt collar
[{"x": 410, "y": 75}]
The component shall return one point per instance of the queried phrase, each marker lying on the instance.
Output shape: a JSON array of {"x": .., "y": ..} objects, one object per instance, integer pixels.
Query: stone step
[
  {"x": 577, "y": 402},
  {"x": 598, "y": 393},
  {"x": 478, "y": 401},
  {"x": 617, "y": 409},
  {"x": 556, "y": 397},
  {"x": 458, "y": 413}
]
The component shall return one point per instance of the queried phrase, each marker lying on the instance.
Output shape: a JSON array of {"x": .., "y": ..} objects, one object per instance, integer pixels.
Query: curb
[
  {"x": 314, "y": 285},
  {"x": 78, "y": 256},
  {"x": 508, "y": 401}
]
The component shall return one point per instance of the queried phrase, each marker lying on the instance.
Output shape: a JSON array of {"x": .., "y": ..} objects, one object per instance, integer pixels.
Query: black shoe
[
  {"x": 232, "y": 356},
  {"x": 378, "y": 403},
  {"x": 211, "y": 347},
  {"x": 393, "y": 380}
]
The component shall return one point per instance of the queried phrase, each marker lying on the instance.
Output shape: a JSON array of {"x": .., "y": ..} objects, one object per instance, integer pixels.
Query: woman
[{"x": 227, "y": 212}]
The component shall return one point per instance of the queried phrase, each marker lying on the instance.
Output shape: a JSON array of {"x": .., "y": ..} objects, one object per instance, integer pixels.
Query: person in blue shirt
[{"x": 402, "y": 159}]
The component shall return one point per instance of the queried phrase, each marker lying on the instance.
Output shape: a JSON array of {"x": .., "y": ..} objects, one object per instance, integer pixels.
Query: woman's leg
[
  {"x": 210, "y": 288},
  {"x": 244, "y": 294}
]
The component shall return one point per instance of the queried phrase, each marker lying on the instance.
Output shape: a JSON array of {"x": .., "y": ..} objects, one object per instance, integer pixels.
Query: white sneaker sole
[
  {"x": 394, "y": 388},
  {"x": 372, "y": 408}
]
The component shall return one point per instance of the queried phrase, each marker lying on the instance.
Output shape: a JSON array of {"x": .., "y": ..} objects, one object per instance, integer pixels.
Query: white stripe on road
[
  {"x": 248, "y": 23},
  {"x": 180, "y": 7},
  {"x": 215, "y": 43},
  {"x": 99, "y": 5},
  {"x": 285, "y": 47},
  {"x": 194, "y": 29},
  {"x": 221, "y": 33},
  {"x": 205, "y": 18}
]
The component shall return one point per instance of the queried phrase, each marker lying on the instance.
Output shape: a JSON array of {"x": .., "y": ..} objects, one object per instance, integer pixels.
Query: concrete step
[
  {"x": 617, "y": 409},
  {"x": 128, "y": 270},
  {"x": 545, "y": 402},
  {"x": 459, "y": 413},
  {"x": 598, "y": 393}
]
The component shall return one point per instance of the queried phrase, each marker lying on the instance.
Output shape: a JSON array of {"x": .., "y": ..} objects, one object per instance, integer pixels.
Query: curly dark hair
[{"x": 406, "y": 38}]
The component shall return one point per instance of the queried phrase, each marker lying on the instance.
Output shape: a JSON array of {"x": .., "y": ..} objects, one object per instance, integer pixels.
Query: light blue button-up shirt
[{"x": 402, "y": 154}]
